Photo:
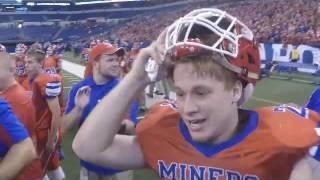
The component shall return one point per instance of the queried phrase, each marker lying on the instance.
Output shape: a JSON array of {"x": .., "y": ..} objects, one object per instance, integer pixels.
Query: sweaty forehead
[
  {"x": 189, "y": 70},
  {"x": 186, "y": 75}
]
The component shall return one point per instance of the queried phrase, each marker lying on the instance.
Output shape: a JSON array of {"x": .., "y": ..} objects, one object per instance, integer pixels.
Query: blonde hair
[{"x": 206, "y": 65}]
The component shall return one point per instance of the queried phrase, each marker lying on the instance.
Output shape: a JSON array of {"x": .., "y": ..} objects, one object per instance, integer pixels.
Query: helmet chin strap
[{"x": 246, "y": 94}]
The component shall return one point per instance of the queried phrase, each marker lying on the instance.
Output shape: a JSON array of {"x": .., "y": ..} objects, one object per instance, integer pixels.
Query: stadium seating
[
  {"x": 32, "y": 32},
  {"x": 29, "y": 17},
  {"x": 9, "y": 33},
  {"x": 4, "y": 18}
]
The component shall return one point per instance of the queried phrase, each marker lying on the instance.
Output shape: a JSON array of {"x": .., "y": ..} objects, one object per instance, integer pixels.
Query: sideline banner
[{"x": 308, "y": 56}]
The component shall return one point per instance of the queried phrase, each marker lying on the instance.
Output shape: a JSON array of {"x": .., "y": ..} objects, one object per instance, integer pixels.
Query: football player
[
  {"x": 22, "y": 106},
  {"x": 47, "y": 98},
  {"x": 52, "y": 63},
  {"x": 16, "y": 147},
  {"x": 214, "y": 63}
]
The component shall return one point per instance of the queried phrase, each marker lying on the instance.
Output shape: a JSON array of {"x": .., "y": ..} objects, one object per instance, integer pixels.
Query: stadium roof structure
[{"x": 73, "y": 5}]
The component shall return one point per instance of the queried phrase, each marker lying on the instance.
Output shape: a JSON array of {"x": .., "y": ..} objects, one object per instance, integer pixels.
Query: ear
[
  {"x": 95, "y": 63},
  {"x": 237, "y": 91}
]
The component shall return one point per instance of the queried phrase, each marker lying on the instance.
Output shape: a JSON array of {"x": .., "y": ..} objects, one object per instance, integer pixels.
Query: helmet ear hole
[{"x": 250, "y": 59}]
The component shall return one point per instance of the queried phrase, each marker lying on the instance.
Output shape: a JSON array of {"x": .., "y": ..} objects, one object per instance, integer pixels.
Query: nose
[{"x": 189, "y": 106}]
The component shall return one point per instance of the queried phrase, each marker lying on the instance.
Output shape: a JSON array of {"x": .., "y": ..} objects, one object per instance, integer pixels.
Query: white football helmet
[{"x": 234, "y": 40}]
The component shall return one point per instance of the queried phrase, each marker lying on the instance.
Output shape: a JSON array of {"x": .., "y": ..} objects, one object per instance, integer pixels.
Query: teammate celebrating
[
  {"x": 214, "y": 63},
  {"x": 47, "y": 97},
  {"x": 22, "y": 106},
  {"x": 16, "y": 148}
]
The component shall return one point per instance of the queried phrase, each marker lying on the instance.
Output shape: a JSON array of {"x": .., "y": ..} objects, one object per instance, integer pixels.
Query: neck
[
  {"x": 232, "y": 129},
  {"x": 100, "y": 79}
]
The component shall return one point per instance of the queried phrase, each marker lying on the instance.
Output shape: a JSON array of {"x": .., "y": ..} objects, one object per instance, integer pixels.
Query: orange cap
[{"x": 104, "y": 48}]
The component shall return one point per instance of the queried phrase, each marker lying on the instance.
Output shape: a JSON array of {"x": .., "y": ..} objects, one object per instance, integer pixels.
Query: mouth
[{"x": 196, "y": 124}]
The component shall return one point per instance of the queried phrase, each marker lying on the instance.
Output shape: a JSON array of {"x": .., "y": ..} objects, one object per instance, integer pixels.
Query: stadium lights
[
  {"x": 105, "y": 1},
  {"x": 19, "y": 25}
]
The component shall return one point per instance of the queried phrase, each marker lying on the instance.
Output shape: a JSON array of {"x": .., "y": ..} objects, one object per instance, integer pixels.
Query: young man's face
[
  {"x": 32, "y": 66},
  {"x": 204, "y": 104},
  {"x": 108, "y": 65}
]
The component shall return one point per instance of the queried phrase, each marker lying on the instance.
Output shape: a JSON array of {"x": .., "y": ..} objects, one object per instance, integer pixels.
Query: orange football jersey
[
  {"x": 24, "y": 82},
  {"x": 52, "y": 65},
  {"x": 43, "y": 87},
  {"x": 22, "y": 106},
  {"x": 46, "y": 86},
  {"x": 266, "y": 149}
]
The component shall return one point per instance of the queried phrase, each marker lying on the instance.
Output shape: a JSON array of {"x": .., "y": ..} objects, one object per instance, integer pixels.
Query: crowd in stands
[
  {"x": 281, "y": 21},
  {"x": 273, "y": 21}
]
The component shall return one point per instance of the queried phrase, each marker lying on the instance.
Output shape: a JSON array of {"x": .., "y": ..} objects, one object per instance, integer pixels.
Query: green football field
[{"x": 269, "y": 91}]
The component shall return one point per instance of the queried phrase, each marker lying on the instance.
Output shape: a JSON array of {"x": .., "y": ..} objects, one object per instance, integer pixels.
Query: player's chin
[
  {"x": 200, "y": 137},
  {"x": 115, "y": 73}
]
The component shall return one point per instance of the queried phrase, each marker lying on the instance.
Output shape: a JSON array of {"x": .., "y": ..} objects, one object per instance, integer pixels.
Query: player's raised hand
[
  {"x": 82, "y": 97},
  {"x": 150, "y": 64}
]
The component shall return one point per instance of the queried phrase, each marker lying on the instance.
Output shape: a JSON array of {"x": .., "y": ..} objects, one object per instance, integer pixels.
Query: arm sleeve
[
  {"x": 13, "y": 128},
  {"x": 70, "y": 102},
  {"x": 314, "y": 101},
  {"x": 52, "y": 89}
]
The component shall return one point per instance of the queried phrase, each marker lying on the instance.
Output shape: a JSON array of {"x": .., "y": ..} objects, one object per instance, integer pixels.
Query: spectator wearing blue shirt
[
  {"x": 16, "y": 147},
  {"x": 84, "y": 96}
]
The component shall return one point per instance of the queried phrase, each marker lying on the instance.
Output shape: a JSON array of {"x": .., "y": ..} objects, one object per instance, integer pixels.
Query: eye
[
  {"x": 201, "y": 92},
  {"x": 179, "y": 93}
]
